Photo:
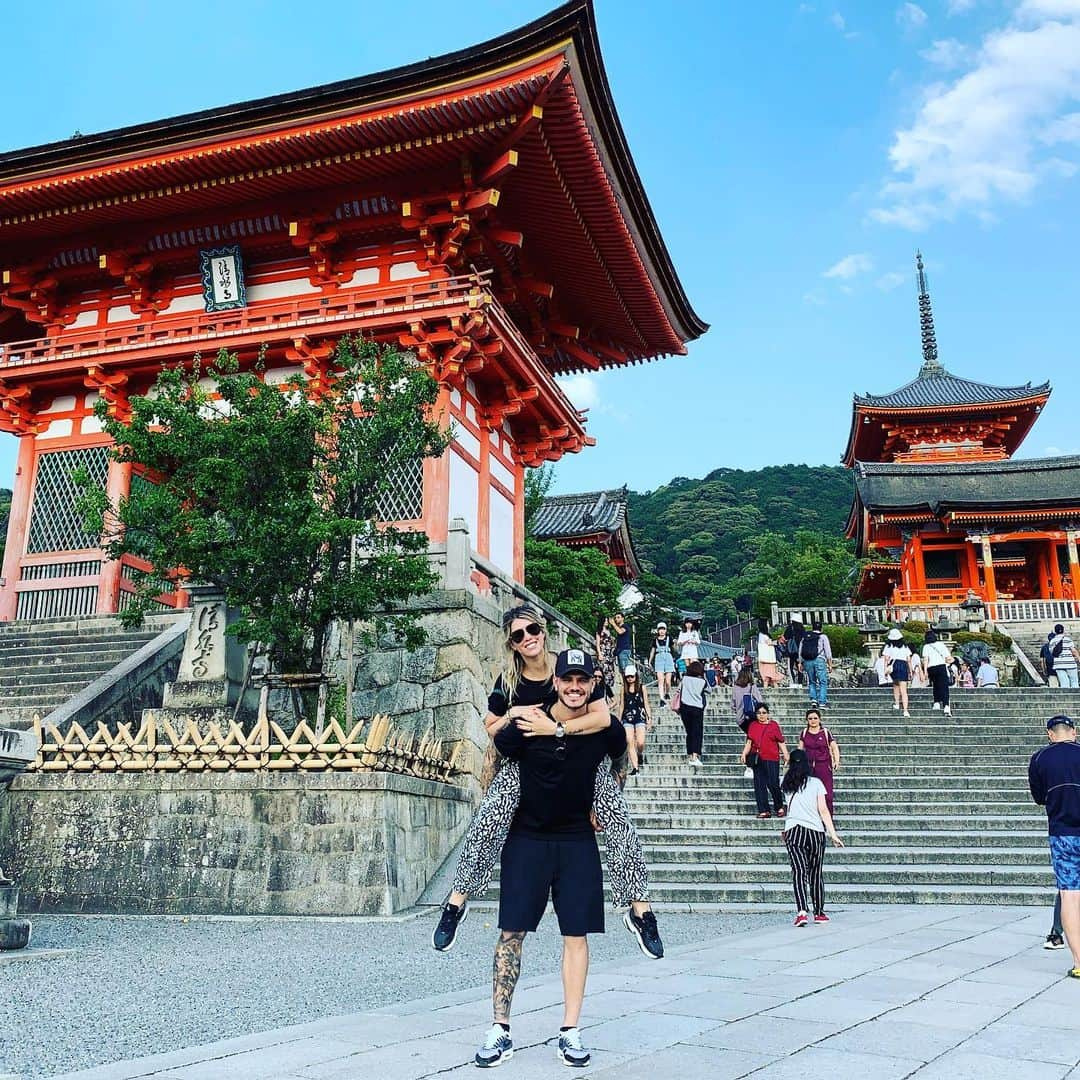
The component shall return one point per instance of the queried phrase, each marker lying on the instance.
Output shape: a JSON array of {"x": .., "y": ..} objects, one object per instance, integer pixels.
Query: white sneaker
[
  {"x": 896, "y": 707},
  {"x": 570, "y": 1051},
  {"x": 498, "y": 1047},
  {"x": 937, "y": 706},
  {"x": 948, "y": 710},
  {"x": 907, "y": 714},
  {"x": 695, "y": 762}
]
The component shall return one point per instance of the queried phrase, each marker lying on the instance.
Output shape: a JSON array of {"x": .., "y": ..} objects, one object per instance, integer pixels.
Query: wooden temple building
[
  {"x": 942, "y": 509},
  {"x": 595, "y": 519},
  {"x": 481, "y": 209}
]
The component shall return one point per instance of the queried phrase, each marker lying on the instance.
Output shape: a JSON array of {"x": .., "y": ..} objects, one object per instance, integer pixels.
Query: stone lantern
[{"x": 17, "y": 750}]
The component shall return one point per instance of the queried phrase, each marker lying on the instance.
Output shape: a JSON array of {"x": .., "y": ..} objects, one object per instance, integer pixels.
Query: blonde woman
[{"x": 523, "y": 687}]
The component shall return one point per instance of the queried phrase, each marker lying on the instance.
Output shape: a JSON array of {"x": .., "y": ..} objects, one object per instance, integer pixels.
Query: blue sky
[{"x": 795, "y": 155}]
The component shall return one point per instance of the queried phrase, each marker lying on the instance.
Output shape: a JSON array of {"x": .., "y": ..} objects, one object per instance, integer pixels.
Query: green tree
[
  {"x": 260, "y": 490},
  {"x": 5, "y": 511},
  {"x": 537, "y": 484},
  {"x": 579, "y": 582}
]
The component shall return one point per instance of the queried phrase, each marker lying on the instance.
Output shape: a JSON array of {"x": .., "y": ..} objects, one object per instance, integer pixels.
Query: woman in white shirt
[
  {"x": 688, "y": 642},
  {"x": 766, "y": 655},
  {"x": 936, "y": 660},
  {"x": 898, "y": 666},
  {"x": 805, "y": 824}
]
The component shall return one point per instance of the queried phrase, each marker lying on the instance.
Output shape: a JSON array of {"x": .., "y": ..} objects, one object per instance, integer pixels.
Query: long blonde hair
[{"x": 512, "y": 662}]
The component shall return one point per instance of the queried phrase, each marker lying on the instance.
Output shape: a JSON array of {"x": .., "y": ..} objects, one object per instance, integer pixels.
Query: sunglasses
[{"x": 532, "y": 630}]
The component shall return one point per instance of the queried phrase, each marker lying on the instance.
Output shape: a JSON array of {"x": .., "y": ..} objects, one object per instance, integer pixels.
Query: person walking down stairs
[
  {"x": 822, "y": 750},
  {"x": 636, "y": 717},
  {"x": 762, "y": 751},
  {"x": 1054, "y": 780},
  {"x": 693, "y": 694},
  {"x": 808, "y": 820}
]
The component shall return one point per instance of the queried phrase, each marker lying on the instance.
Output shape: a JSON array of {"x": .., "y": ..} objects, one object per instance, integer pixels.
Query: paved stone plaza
[{"x": 882, "y": 992}]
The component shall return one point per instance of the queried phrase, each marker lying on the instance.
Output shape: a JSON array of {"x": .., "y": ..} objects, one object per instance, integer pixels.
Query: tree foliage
[
  {"x": 259, "y": 490},
  {"x": 579, "y": 582}
]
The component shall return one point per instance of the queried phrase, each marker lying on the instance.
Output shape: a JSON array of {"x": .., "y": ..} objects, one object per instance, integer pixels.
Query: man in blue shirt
[{"x": 1054, "y": 779}]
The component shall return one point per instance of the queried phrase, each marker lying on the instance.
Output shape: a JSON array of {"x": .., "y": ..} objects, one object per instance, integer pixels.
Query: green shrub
[
  {"x": 996, "y": 641},
  {"x": 845, "y": 641}
]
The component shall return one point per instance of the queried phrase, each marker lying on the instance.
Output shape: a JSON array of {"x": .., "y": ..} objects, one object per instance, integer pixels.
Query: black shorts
[{"x": 567, "y": 868}]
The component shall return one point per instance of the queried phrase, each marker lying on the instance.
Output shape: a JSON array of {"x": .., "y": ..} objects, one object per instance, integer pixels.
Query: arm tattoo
[{"x": 505, "y": 974}]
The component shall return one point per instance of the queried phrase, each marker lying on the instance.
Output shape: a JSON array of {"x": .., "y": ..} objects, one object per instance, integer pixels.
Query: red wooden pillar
[
  {"x": 1042, "y": 553},
  {"x": 437, "y": 480},
  {"x": 1055, "y": 569},
  {"x": 519, "y": 524},
  {"x": 1074, "y": 562},
  {"x": 988, "y": 571},
  {"x": 972, "y": 566},
  {"x": 18, "y": 523},
  {"x": 117, "y": 487},
  {"x": 918, "y": 567},
  {"x": 483, "y": 494}
]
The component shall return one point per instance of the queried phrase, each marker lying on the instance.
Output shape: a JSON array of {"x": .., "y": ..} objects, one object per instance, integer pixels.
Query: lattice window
[
  {"x": 404, "y": 500},
  {"x": 55, "y": 523}
]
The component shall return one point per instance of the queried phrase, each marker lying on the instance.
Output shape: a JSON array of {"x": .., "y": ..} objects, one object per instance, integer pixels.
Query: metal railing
[{"x": 1010, "y": 611}]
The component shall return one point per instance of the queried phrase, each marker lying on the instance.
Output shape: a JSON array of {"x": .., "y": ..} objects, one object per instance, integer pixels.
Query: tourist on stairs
[
  {"x": 520, "y": 692},
  {"x": 605, "y": 652},
  {"x": 693, "y": 694},
  {"x": 822, "y": 750},
  {"x": 898, "y": 668},
  {"x": 636, "y": 717},
  {"x": 1066, "y": 657},
  {"x": 936, "y": 660},
  {"x": 766, "y": 656},
  {"x": 662, "y": 661},
  {"x": 745, "y": 698},
  {"x": 1054, "y": 780},
  {"x": 808, "y": 820},
  {"x": 762, "y": 751},
  {"x": 816, "y": 655}
]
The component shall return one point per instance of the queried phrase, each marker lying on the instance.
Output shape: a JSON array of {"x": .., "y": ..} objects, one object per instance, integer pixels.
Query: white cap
[
  {"x": 661, "y": 626},
  {"x": 630, "y": 670}
]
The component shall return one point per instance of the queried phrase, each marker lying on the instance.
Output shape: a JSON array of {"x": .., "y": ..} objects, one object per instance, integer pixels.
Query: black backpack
[
  {"x": 809, "y": 648},
  {"x": 1055, "y": 651}
]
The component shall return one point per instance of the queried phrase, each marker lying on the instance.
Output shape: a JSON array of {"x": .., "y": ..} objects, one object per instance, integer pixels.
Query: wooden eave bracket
[
  {"x": 317, "y": 242},
  {"x": 112, "y": 388}
]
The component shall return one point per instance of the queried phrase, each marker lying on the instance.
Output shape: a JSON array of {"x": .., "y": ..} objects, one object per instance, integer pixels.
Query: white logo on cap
[{"x": 575, "y": 656}]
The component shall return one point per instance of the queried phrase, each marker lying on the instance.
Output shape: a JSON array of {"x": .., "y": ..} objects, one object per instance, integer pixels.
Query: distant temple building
[
  {"x": 480, "y": 209},
  {"x": 941, "y": 507},
  {"x": 594, "y": 519}
]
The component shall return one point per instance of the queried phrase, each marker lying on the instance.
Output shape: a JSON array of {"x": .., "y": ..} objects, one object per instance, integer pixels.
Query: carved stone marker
[
  {"x": 17, "y": 750},
  {"x": 212, "y": 663}
]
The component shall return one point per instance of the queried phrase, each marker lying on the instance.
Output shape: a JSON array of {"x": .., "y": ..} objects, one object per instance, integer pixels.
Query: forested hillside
[
  {"x": 5, "y": 509},
  {"x": 728, "y": 540}
]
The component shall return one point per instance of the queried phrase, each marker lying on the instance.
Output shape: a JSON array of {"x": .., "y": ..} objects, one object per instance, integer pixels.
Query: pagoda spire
[{"x": 930, "y": 365}]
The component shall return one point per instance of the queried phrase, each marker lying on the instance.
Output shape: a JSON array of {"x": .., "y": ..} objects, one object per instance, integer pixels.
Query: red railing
[
  {"x": 902, "y": 597},
  {"x": 279, "y": 318}
]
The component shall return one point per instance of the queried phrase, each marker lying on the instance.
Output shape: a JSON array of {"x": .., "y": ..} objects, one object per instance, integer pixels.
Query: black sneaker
[
  {"x": 446, "y": 932},
  {"x": 644, "y": 928},
  {"x": 498, "y": 1047},
  {"x": 570, "y": 1050},
  {"x": 1054, "y": 941}
]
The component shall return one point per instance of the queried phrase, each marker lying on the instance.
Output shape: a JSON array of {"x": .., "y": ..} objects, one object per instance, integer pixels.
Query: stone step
[
  {"x": 46, "y": 677},
  {"x": 945, "y": 874},
  {"x": 929, "y": 802},
  {"x": 751, "y": 832},
  {"x": 849, "y": 819},
  {"x": 658, "y": 853},
  {"x": 71, "y": 649}
]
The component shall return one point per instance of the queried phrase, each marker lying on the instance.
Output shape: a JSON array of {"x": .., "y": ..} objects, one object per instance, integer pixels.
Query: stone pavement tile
[
  {"x": 954, "y": 1014},
  {"x": 833, "y": 1006},
  {"x": 619, "y": 1002},
  {"x": 1048, "y": 1013},
  {"x": 958, "y": 1065},
  {"x": 407, "y": 1062},
  {"x": 925, "y": 968},
  {"x": 684, "y": 983},
  {"x": 768, "y": 1035},
  {"x": 1020, "y": 973},
  {"x": 687, "y": 1062},
  {"x": 980, "y": 993},
  {"x": 886, "y": 988},
  {"x": 787, "y": 986},
  {"x": 630, "y": 1035},
  {"x": 817, "y": 1062},
  {"x": 535, "y": 1063},
  {"x": 898, "y": 1039},
  {"x": 1024, "y": 1042},
  {"x": 728, "y": 965},
  {"x": 969, "y": 959},
  {"x": 720, "y": 1005}
]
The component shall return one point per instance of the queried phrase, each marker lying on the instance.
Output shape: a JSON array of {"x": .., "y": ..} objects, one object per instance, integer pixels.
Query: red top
[{"x": 766, "y": 739}]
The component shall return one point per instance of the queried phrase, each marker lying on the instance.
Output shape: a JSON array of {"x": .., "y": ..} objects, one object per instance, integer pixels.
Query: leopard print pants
[{"x": 484, "y": 841}]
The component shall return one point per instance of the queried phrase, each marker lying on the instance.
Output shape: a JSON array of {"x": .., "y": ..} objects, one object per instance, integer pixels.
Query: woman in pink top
[{"x": 822, "y": 751}]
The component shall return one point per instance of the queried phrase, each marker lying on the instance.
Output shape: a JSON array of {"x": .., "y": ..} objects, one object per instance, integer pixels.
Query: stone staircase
[
  {"x": 1031, "y": 636},
  {"x": 930, "y": 811},
  {"x": 44, "y": 664}
]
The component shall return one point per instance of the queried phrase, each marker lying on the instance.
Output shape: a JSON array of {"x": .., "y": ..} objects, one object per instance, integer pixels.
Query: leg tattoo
[{"x": 505, "y": 973}]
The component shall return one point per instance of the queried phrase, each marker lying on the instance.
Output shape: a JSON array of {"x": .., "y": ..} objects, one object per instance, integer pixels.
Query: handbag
[{"x": 676, "y": 701}]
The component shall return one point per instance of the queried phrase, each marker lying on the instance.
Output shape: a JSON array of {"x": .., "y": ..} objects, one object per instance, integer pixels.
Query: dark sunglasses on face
[{"x": 534, "y": 629}]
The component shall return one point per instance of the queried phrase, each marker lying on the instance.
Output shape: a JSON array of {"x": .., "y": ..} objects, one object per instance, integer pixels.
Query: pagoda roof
[
  {"x": 936, "y": 387},
  {"x": 576, "y": 195},
  {"x": 583, "y": 514}
]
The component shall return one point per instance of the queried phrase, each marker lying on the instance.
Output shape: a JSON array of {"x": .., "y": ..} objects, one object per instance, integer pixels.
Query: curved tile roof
[
  {"x": 936, "y": 386},
  {"x": 580, "y": 515}
]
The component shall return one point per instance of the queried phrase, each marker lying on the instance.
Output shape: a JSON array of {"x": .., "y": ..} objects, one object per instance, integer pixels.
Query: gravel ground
[{"x": 143, "y": 985}]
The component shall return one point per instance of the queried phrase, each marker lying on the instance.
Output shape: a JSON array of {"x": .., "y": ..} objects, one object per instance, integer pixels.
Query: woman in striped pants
[{"x": 805, "y": 825}]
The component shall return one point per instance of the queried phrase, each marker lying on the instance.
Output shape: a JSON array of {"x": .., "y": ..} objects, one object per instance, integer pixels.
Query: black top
[
  {"x": 530, "y": 692},
  {"x": 558, "y": 777},
  {"x": 1054, "y": 779},
  {"x": 622, "y": 641}
]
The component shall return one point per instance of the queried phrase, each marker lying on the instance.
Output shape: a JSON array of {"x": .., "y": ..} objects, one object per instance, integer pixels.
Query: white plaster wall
[
  {"x": 502, "y": 532},
  {"x": 464, "y": 494}
]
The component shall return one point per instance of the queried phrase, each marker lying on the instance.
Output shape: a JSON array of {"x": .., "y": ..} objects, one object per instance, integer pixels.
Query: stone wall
[{"x": 227, "y": 843}]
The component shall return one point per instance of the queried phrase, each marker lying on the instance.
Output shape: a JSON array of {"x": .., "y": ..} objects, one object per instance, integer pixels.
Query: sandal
[
  {"x": 781, "y": 813},
  {"x": 763, "y": 815}
]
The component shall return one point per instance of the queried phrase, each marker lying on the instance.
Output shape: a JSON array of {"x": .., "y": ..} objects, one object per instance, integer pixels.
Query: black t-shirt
[
  {"x": 558, "y": 777},
  {"x": 529, "y": 692},
  {"x": 622, "y": 642}
]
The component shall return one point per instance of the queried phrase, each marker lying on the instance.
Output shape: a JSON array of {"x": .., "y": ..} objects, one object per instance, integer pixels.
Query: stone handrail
[
  {"x": 1024, "y": 661},
  {"x": 861, "y": 614}
]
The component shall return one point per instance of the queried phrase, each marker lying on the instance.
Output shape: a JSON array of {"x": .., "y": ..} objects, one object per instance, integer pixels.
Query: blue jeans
[
  {"x": 1066, "y": 676},
  {"x": 817, "y": 677}
]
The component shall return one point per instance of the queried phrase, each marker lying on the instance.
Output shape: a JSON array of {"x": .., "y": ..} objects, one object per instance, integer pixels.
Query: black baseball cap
[
  {"x": 1060, "y": 719},
  {"x": 571, "y": 661}
]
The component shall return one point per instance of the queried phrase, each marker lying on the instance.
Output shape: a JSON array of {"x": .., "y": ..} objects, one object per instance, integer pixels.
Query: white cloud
[
  {"x": 805, "y": 9},
  {"x": 815, "y": 298},
  {"x": 838, "y": 21},
  {"x": 959, "y": 7},
  {"x": 892, "y": 280},
  {"x": 850, "y": 266},
  {"x": 947, "y": 53},
  {"x": 978, "y": 140},
  {"x": 582, "y": 390},
  {"x": 1065, "y": 129},
  {"x": 1057, "y": 451},
  {"x": 911, "y": 16}
]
